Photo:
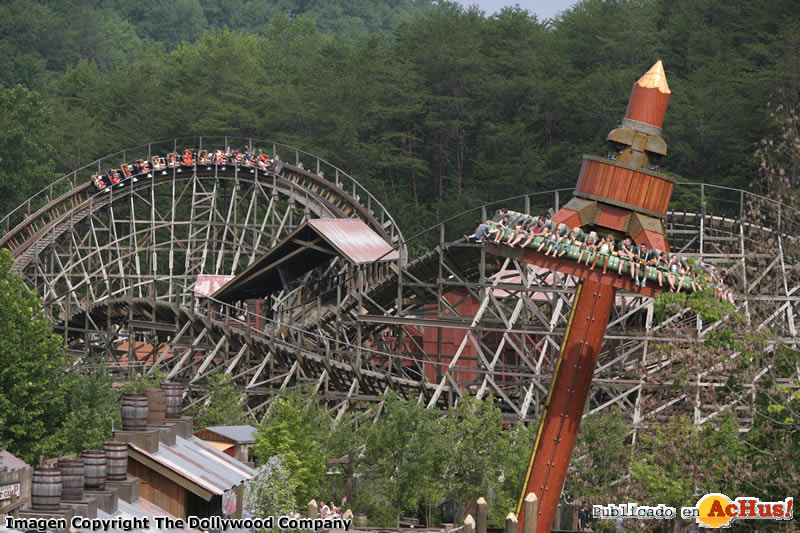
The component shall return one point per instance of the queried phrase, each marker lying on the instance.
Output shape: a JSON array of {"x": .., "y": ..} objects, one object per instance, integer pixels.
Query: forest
[{"x": 434, "y": 107}]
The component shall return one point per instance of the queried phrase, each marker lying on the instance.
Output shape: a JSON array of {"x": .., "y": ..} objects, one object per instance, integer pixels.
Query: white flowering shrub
[{"x": 271, "y": 491}]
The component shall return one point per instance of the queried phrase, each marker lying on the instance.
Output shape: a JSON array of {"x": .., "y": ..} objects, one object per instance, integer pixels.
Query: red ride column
[{"x": 561, "y": 418}]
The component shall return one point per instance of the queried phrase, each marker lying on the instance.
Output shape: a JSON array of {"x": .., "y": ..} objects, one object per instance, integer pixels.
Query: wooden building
[
  {"x": 232, "y": 440},
  {"x": 181, "y": 473}
]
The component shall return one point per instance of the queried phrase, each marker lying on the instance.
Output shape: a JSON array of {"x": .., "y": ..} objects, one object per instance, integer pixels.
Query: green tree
[
  {"x": 601, "y": 458},
  {"x": 511, "y": 456},
  {"x": 774, "y": 440},
  {"x": 93, "y": 411},
  {"x": 173, "y": 22},
  {"x": 34, "y": 40},
  {"x": 472, "y": 430},
  {"x": 32, "y": 365},
  {"x": 224, "y": 407},
  {"x": 294, "y": 429},
  {"x": 25, "y": 148},
  {"x": 405, "y": 451},
  {"x": 343, "y": 439}
]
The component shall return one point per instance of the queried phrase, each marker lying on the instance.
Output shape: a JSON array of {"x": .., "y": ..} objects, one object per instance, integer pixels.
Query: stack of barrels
[
  {"x": 71, "y": 476},
  {"x": 152, "y": 407}
]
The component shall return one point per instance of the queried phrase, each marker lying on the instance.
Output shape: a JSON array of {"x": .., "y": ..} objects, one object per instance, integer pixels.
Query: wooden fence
[{"x": 24, "y": 477}]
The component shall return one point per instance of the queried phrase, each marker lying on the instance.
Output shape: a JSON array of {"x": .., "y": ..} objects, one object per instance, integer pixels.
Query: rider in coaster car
[
  {"x": 641, "y": 260},
  {"x": 606, "y": 248},
  {"x": 536, "y": 229},
  {"x": 589, "y": 246},
  {"x": 625, "y": 253},
  {"x": 654, "y": 260},
  {"x": 545, "y": 235},
  {"x": 498, "y": 228}
]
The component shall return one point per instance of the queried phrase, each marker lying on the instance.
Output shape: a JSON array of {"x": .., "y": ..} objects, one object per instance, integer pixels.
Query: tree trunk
[
  {"x": 413, "y": 182},
  {"x": 459, "y": 164}
]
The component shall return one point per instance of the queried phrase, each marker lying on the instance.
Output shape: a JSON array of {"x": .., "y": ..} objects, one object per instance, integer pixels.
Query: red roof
[
  {"x": 207, "y": 284},
  {"x": 354, "y": 239}
]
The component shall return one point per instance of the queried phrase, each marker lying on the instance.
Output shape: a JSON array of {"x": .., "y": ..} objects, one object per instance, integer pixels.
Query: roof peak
[{"x": 655, "y": 78}]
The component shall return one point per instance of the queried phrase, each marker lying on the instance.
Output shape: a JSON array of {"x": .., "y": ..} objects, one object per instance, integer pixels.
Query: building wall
[
  {"x": 451, "y": 339},
  {"x": 241, "y": 452},
  {"x": 160, "y": 490}
]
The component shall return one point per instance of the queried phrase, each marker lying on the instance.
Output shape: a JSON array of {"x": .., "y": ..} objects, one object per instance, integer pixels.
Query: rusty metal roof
[
  {"x": 202, "y": 464},
  {"x": 354, "y": 239},
  {"x": 207, "y": 284},
  {"x": 315, "y": 242}
]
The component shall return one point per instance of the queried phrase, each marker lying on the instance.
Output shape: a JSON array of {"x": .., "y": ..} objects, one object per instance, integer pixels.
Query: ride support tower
[{"x": 623, "y": 195}]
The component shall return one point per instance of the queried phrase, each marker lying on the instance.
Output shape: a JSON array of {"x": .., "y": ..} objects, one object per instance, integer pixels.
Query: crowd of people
[
  {"x": 642, "y": 264},
  {"x": 243, "y": 158}
]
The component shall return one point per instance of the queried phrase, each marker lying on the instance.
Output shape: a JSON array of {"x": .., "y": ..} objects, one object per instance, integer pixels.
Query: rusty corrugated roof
[
  {"x": 313, "y": 243},
  {"x": 208, "y": 284},
  {"x": 354, "y": 239},
  {"x": 200, "y": 463}
]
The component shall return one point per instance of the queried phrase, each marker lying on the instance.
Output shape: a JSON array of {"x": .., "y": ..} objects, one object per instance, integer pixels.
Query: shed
[
  {"x": 232, "y": 440},
  {"x": 186, "y": 476}
]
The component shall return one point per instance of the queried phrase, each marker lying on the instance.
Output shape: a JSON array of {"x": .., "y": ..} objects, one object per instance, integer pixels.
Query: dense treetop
[{"x": 435, "y": 108}]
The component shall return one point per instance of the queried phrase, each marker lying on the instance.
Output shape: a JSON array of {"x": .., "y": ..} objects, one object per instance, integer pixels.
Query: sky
[{"x": 543, "y": 8}]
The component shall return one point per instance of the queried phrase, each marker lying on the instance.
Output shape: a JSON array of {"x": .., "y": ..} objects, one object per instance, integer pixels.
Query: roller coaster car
[
  {"x": 99, "y": 182},
  {"x": 188, "y": 159},
  {"x": 113, "y": 176},
  {"x": 127, "y": 170},
  {"x": 202, "y": 157},
  {"x": 277, "y": 166},
  {"x": 263, "y": 161},
  {"x": 142, "y": 166},
  {"x": 172, "y": 160},
  {"x": 158, "y": 162}
]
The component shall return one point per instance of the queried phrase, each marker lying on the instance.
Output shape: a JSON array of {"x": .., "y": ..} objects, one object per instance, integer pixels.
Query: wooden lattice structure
[{"x": 117, "y": 272}]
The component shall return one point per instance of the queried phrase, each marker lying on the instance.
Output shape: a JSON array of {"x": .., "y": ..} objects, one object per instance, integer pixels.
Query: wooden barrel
[
  {"x": 46, "y": 489},
  {"x": 71, "y": 479},
  {"x": 174, "y": 400},
  {"x": 116, "y": 461},
  {"x": 94, "y": 469},
  {"x": 156, "y": 406},
  {"x": 134, "y": 412}
]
